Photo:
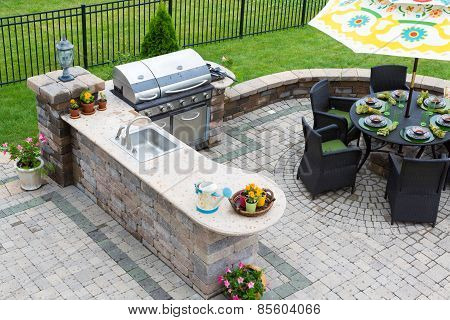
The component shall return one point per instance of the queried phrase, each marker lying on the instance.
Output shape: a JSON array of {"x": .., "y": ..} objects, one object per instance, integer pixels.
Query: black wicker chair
[
  {"x": 329, "y": 110},
  {"x": 388, "y": 78},
  {"x": 328, "y": 163},
  {"x": 414, "y": 188}
]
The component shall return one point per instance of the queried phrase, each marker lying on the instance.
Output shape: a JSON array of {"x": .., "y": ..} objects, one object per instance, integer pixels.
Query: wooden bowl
[{"x": 259, "y": 211}]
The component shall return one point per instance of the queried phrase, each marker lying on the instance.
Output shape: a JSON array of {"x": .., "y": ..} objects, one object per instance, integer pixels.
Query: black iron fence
[{"x": 102, "y": 32}]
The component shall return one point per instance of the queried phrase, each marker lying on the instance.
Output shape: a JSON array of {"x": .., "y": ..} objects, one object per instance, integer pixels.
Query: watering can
[{"x": 209, "y": 196}]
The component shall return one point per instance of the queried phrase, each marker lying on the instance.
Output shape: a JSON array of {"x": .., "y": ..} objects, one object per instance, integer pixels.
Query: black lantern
[{"x": 65, "y": 58}]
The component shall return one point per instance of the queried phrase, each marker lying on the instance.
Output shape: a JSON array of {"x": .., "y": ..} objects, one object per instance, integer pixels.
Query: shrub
[{"x": 161, "y": 37}]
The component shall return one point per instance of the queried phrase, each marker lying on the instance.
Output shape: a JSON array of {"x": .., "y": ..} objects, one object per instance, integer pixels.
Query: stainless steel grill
[{"x": 174, "y": 90}]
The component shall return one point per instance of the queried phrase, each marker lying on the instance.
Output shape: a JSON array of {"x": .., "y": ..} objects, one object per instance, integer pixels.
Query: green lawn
[
  {"x": 252, "y": 57},
  {"x": 17, "y": 7}
]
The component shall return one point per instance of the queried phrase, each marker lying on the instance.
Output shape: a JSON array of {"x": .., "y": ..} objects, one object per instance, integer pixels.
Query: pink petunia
[
  {"x": 19, "y": 147},
  {"x": 230, "y": 291},
  {"x": 240, "y": 280},
  {"x": 220, "y": 279},
  {"x": 4, "y": 152},
  {"x": 228, "y": 270},
  {"x": 5, "y": 145},
  {"x": 235, "y": 297},
  {"x": 29, "y": 140},
  {"x": 42, "y": 138},
  {"x": 250, "y": 285},
  {"x": 241, "y": 265},
  {"x": 226, "y": 283}
]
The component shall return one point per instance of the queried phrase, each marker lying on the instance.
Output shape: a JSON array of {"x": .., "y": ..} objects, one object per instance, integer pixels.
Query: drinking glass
[
  {"x": 387, "y": 108},
  {"x": 424, "y": 119}
]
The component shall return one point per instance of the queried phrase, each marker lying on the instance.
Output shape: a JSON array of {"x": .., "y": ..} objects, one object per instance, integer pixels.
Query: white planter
[{"x": 30, "y": 179}]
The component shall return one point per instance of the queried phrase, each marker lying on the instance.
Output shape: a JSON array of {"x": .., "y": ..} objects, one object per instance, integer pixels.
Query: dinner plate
[
  {"x": 378, "y": 104},
  {"x": 430, "y": 104},
  {"x": 415, "y": 141},
  {"x": 397, "y": 94},
  {"x": 440, "y": 121},
  {"x": 410, "y": 132},
  {"x": 369, "y": 121}
]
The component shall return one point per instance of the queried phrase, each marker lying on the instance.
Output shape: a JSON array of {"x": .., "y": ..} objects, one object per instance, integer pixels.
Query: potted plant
[
  {"x": 74, "y": 109},
  {"x": 253, "y": 194},
  {"x": 262, "y": 199},
  {"x": 87, "y": 102},
  {"x": 29, "y": 165},
  {"x": 246, "y": 282},
  {"x": 102, "y": 101}
]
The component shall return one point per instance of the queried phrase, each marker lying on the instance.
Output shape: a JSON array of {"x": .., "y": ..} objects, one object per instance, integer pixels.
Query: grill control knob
[
  {"x": 194, "y": 98},
  {"x": 163, "y": 109},
  {"x": 206, "y": 95},
  {"x": 170, "y": 106},
  {"x": 182, "y": 102},
  {"x": 147, "y": 113}
]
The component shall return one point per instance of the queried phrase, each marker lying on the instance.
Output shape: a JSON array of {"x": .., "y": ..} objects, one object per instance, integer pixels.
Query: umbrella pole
[{"x": 411, "y": 87}]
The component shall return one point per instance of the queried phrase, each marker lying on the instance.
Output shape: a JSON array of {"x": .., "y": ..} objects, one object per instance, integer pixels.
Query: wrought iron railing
[{"x": 102, "y": 32}]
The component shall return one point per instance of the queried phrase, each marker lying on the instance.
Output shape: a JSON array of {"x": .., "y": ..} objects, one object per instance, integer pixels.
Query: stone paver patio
[{"x": 56, "y": 243}]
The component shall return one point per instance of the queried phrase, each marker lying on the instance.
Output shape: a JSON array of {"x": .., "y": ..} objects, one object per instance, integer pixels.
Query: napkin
[
  {"x": 386, "y": 95},
  {"x": 422, "y": 96},
  {"x": 363, "y": 108},
  {"x": 388, "y": 129},
  {"x": 438, "y": 132}
]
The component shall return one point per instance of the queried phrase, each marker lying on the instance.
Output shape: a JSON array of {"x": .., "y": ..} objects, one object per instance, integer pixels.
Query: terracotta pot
[
  {"x": 102, "y": 105},
  {"x": 242, "y": 200},
  {"x": 74, "y": 113},
  {"x": 30, "y": 179},
  {"x": 88, "y": 108}
]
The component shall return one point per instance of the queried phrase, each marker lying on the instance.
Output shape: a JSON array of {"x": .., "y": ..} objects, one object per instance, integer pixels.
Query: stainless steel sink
[{"x": 148, "y": 143}]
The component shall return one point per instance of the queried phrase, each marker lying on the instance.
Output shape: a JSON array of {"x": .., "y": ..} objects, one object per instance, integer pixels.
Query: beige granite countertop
[{"x": 173, "y": 175}]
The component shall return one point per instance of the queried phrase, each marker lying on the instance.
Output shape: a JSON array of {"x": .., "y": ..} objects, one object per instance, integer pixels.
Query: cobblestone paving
[{"x": 55, "y": 243}]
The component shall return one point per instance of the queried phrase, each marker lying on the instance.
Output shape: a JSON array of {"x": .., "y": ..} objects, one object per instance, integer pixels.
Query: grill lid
[
  {"x": 161, "y": 76},
  {"x": 136, "y": 82},
  {"x": 179, "y": 71}
]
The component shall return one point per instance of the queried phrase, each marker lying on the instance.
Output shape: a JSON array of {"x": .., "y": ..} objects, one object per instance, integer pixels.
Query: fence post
[
  {"x": 84, "y": 36},
  {"x": 170, "y": 7},
  {"x": 241, "y": 22},
  {"x": 303, "y": 13}
]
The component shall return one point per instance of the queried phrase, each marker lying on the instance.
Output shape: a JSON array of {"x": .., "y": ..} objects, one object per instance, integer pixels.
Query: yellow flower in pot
[{"x": 262, "y": 198}]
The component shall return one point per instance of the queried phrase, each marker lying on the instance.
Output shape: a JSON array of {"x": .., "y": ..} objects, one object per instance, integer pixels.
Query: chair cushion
[
  {"x": 343, "y": 114},
  {"x": 333, "y": 145}
]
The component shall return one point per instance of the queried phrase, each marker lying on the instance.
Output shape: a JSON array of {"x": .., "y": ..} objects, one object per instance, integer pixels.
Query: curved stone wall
[{"x": 256, "y": 93}]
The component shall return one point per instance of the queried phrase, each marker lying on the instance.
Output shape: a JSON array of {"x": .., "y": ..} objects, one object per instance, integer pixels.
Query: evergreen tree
[{"x": 160, "y": 38}]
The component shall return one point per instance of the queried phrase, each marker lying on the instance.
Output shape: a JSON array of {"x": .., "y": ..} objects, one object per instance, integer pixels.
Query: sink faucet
[{"x": 127, "y": 133}]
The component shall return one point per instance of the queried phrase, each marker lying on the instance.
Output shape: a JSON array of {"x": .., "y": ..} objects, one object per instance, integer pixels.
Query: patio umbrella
[{"x": 404, "y": 28}]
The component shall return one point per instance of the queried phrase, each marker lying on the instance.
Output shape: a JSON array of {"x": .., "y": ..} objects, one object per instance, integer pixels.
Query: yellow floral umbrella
[{"x": 405, "y": 28}]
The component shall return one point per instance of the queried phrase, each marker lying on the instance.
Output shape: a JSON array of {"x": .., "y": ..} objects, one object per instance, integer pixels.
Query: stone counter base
[{"x": 196, "y": 254}]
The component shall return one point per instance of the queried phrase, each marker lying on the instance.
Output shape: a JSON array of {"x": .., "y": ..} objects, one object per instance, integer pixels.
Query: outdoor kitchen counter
[{"x": 173, "y": 175}]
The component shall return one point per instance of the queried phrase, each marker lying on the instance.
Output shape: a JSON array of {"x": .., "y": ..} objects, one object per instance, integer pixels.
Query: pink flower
[
  {"x": 230, "y": 291},
  {"x": 227, "y": 270},
  {"x": 29, "y": 140},
  {"x": 19, "y": 147},
  {"x": 5, "y": 145},
  {"x": 241, "y": 265},
  {"x": 226, "y": 283},
  {"x": 220, "y": 279},
  {"x": 251, "y": 285},
  {"x": 240, "y": 280},
  {"x": 235, "y": 297},
  {"x": 42, "y": 138}
]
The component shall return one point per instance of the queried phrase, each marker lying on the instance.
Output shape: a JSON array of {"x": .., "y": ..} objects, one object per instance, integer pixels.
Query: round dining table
[{"x": 394, "y": 137}]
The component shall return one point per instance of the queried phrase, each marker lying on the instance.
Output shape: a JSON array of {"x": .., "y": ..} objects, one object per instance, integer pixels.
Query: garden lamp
[{"x": 65, "y": 58}]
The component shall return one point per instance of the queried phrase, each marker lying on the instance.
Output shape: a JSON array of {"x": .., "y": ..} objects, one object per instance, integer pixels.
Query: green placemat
[
  {"x": 433, "y": 121},
  {"x": 364, "y": 126},
  {"x": 405, "y": 137}
]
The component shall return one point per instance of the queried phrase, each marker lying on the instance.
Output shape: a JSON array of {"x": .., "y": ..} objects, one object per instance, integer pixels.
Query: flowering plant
[
  {"x": 243, "y": 283},
  {"x": 26, "y": 154},
  {"x": 74, "y": 105},
  {"x": 102, "y": 96},
  {"x": 253, "y": 193},
  {"x": 86, "y": 96}
]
